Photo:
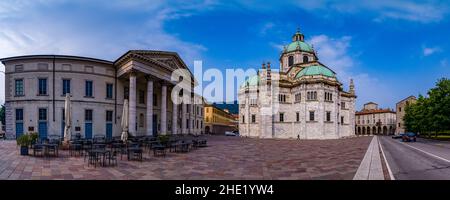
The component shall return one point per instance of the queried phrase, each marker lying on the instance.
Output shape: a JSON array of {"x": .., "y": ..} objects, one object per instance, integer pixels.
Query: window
[
  {"x": 19, "y": 87},
  {"x": 311, "y": 95},
  {"x": 305, "y": 59},
  {"x": 281, "y": 117},
  {"x": 109, "y": 116},
  {"x": 89, "y": 88},
  {"x": 342, "y": 119},
  {"x": 42, "y": 83},
  {"x": 343, "y": 105},
  {"x": 42, "y": 114},
  {"x": 141, "y": 120},
  {"x": 291, "y": 60},
  {"x": 253, "y": 102},
  {"x": 63, "y": 114},
  {"x": 297, "y": 115},
  {"x": 253, "y": 118},
  {"x": 328, "y": 96},
  {"x": 87, "y": 115},
  {"x": 328, "y": 116},
  {"x": 141, "y": 96},
  {"x": 282, "y": 98},
  {"x": 311, "y": 115},
  {"x": 398, "y": 124},
  {"x": 243, "y": 118},
  {"x": 400, "y": 109},
  {"x": 298, "y": 97},
  {"x": 109, "y": 91},
  {"x": 66, "y": 86},
  {"x": 126, "y": 92},
  {"x": 155, "y": 99},
  {"x": 19, "y": 114}
]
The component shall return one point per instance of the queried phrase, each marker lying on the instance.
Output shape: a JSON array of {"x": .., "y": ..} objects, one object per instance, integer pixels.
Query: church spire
[{"x": 352, "y": 87}]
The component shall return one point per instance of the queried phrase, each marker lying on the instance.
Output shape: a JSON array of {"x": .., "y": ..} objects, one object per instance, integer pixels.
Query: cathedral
[{"x": 302, "y": 100}]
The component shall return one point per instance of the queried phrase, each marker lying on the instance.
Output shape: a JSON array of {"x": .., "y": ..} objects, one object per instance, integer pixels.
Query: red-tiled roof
[{"x": 366, "y": 112}]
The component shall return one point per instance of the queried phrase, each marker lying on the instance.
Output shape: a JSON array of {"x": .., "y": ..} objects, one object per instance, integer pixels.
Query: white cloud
[
  {"x": 427, "y": 51},
  {"x": 266, "y": 27},
  {"x": 423, "y": 11},
  {"x": 95, "y": 30},
  {"x": 335, "y": 53}
]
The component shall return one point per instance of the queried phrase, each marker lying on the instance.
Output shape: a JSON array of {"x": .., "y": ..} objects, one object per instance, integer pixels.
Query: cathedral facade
[{"x": 302, "y": 100}]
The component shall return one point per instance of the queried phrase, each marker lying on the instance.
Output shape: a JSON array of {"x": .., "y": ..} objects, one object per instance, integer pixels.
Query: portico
[{"x": 150, "y": 85}]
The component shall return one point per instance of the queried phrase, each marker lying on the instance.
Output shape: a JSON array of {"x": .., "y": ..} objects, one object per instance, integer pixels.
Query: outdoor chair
[
  {"x": 112, "y": 157},
  {"x": 38, "y": 149},
  {"x": 53, "y": 149},
  {"x": 134, "y": 152},
  {"x": 75, "y": 148},
  {"x": 93, "y": 158}
]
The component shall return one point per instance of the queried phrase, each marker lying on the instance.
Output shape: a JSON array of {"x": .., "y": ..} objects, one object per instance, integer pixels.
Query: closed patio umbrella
[
  {"x": 124, "y": 122},
  {"x": 68, "y": 119}
]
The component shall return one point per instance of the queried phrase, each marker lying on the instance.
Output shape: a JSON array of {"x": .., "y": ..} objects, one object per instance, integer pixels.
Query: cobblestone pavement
[{"x": 224, "y": 158}]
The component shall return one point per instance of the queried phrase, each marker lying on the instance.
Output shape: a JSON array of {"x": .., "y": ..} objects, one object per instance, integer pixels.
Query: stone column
[
  {"x": 174, "y": 116},
  {"x": 164, "y": 109},
  {"x": 183, "y": 118},
  {"x": 149, "y": 113},
  {"x": 132, "y": 105}
]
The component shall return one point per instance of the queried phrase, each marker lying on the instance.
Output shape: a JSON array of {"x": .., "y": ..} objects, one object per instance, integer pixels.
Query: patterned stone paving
[{"x": 224, "y": 158}]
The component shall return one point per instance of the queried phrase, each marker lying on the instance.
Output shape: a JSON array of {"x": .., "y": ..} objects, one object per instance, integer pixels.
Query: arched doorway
[
  {"x": 385, "y": 130},
  {"x": 359, "y": 130},
  {"x": 363, "y": 130},
  {"x": 368, "y": 130},
  {"x": 207, "y": 130},
  {"x": 391, "y": 130},
  {"x": 374, "y": 130},
  {"x": 379, "y": 130}
]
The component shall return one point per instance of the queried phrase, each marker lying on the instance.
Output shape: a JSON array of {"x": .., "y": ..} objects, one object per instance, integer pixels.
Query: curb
[{"x": 370, "y": 167}]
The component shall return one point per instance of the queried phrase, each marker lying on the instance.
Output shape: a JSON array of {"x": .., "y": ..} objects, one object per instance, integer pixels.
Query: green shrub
[
  {"x": 24, "y": 140},
  {"x": 163, "y": 139},
  {"x": 33, "y": 137}
]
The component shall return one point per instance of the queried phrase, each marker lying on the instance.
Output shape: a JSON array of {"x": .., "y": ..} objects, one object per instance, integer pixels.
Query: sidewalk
[{"x": 371, "y": 168}]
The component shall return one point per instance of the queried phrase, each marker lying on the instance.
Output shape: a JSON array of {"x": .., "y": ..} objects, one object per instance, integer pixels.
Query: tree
[{"x": 432, "y": 113}]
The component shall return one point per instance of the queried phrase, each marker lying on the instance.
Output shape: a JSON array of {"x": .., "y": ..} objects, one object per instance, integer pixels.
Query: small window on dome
[
  {"x": 290, "y": 60},
  {"x": 305, "y": 59}
]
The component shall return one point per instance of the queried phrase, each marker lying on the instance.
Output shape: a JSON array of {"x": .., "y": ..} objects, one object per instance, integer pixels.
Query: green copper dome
[
  {"x": 315, "y": 70},
  {"x": 299, "y": 45},
  {"x": 251, "y": 81}
]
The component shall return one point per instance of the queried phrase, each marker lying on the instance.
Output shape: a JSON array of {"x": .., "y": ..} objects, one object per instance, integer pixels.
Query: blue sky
[{"x": 392, "y": 49}]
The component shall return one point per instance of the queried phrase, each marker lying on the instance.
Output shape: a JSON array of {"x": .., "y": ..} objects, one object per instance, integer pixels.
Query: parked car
[
  {"x": 230, "y": 133},
  {"x": 398, "y": 136},
  {"x": 408, "y": 137}
]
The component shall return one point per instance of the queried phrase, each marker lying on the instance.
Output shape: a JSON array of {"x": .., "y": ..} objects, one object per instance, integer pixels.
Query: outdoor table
[
  {"x": 134, "y": 150},
  {"x": 101, "y": 152},
  {"x": 159, "y": 149},
  {"x": 46, "y": 148}
]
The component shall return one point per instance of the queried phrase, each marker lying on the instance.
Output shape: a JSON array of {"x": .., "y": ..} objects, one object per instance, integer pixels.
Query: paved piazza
[{"x": 225, "y": 158}]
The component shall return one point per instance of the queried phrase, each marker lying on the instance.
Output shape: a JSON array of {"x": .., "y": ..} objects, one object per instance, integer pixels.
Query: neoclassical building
[
  {"x": 372, "y": 120},
  {"x": 303, "y": 100},
  {"x": 36, "y": 86}
]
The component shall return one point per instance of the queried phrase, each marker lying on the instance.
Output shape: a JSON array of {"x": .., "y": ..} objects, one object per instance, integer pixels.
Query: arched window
[
  {"x": 305, "y": 59},
  {"x": 291, "y": 60}
]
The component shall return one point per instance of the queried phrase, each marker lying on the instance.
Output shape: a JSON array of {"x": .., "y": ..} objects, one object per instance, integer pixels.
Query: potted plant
[
  {"x": 163, "y": 139},
  {"x": 33, "y": 138},
  {"x": 24, "y": 141}
]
